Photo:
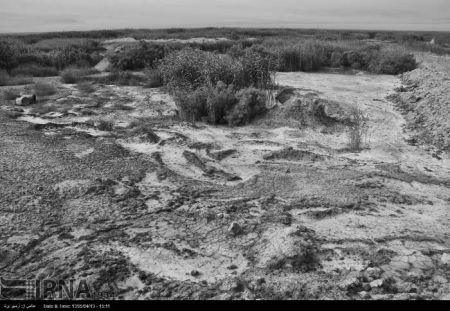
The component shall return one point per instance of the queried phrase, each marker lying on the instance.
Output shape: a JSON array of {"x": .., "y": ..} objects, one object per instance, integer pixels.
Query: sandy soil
[{"x": 210, "y": 212}]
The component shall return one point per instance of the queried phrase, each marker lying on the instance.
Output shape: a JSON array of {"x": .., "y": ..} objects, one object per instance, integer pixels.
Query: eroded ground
[{"x": 270, "y": 210}]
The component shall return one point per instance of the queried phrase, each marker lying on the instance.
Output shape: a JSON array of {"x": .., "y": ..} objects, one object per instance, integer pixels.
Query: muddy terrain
[{"x": 111, "y": 187}]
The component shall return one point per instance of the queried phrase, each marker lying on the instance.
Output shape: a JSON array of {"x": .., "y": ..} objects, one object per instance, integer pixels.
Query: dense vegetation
[{"x": 223, "y": 81}]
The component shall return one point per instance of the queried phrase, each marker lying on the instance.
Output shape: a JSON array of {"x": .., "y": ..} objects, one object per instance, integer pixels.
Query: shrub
[
  {"x": 393, "y": 61},
  {"x": 44, "y": 89},
  {"x": 358, "y": 128},
  {"x": 255, "y": 68},
  {"x": 10, "y": 94},
  {"x": 138, "y": 57},
  {"x": 8, "y": 55},
  {"x": 192, "y": 105},
  {"x": 220, "y": 100},
  {"x": 35, "y": 70},
  {"x": 252, "y": 102},
  {"x": 190, "y": 69}
]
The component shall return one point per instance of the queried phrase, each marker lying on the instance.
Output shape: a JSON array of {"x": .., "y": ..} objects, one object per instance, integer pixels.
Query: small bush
[
  {"x": 219, "y": 101},
  {"x": 44, "y": 89},
  {"x": 393, "y": 61},
  {"x": 138, "y": 56},
  {"x": 35, "y": 70},
  {"x": 252, "y": 102},
  {"x": 11, "y": 94},
  {"x": 357, "y": 129},
  {"x": 192, "y": 105},
  {"x": 189, "y": 69}
]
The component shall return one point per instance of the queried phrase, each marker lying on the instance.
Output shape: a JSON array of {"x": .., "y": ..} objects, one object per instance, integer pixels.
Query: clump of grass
[
  {"x": 104, "y": 125},
  {"x": 358, "y": 127},
  {"x": 10, "y": 94},
  {"x": 44, "y": 89}
]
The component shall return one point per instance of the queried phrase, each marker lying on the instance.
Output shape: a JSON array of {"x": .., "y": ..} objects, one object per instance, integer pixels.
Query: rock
[
  {"x": 376, "y": 283},
  {"x": 285, "y": 94},
  {"x": 26, "y": 100},
  {"x": 221, "y": 154},
  {"x": 373, "y": 273},
  {"x": 195, "y": 273},
  {"x": 103, "y": 65},
  {"x": 235, "y": 229},
  {"x": 350, "y": 284},
  {"x": 364, "y": 295},
  {"x": 445, "y": 259}
]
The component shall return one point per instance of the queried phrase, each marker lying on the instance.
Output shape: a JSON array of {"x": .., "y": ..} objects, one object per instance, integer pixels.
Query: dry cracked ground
[{"x": 110, "y": 187}]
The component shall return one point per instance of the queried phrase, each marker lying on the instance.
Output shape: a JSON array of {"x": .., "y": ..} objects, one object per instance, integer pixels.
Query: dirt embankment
[{"x": 425, "y": 100}]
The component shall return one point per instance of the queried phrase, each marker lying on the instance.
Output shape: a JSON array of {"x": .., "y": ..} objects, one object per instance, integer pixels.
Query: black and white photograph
[{"x": 223, "y": 150}]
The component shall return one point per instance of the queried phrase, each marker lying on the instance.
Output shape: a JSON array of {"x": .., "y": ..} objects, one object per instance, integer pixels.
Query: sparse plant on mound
[
  {"x": 44, "y": 89},
  {"x": 358, "y": 127}
]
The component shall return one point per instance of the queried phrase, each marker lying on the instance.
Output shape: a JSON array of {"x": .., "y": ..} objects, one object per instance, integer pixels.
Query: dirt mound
[
  {"x": 424, "y": 99},
  {"x": 308, "y": 110}
]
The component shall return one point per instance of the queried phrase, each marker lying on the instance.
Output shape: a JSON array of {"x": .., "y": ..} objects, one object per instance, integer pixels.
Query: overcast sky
[{"x": 59, "y": 15}]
